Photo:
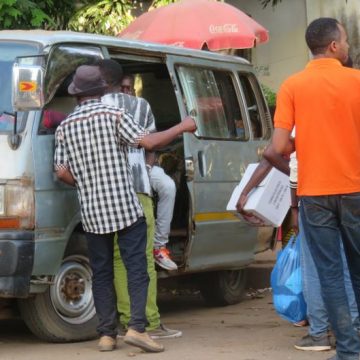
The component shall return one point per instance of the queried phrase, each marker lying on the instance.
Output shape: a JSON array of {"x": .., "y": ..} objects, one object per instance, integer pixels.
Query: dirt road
[{"x": 248, "y": 331}]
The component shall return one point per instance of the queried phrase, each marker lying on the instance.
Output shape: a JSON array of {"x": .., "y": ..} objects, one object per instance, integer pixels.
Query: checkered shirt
[
  {"x": 92, "y": 142},
  {"x": 140, "y": 109}
]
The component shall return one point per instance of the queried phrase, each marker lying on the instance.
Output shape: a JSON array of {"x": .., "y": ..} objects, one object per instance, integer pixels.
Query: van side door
[
  {"x": 53, "y": 223},
  {"x": 232, "y": 132}
]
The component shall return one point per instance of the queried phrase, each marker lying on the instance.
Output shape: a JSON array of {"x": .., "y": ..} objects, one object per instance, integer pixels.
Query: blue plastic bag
[{"x": 286, "y": 283}]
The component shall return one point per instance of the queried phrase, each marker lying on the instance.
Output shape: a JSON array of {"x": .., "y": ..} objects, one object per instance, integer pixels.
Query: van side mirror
[{"x": 27, "y": 87}]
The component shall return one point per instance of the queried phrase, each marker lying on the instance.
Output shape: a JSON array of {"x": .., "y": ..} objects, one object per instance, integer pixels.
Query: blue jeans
[
  {"x": 326, "y": 221},
  {"x": 132, "y": 245},
  {"x": 316, "y": 311}
]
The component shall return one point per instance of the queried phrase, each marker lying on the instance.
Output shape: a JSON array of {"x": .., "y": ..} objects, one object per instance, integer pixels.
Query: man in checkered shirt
[{"x": 91, "y": 147}]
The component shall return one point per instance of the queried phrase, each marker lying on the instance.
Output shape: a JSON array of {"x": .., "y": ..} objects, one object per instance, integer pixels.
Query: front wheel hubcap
[{"x": 71, "y": 293}]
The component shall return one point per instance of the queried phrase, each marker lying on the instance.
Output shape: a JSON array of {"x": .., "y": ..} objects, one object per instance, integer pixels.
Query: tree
[
  {"x": 265, "y": 3},
  {"x": 273, "y": 3},
  {"x": 159, "y": 3},
  {"x": 60, "y": 12},
  {"x": 21, "y": 14},
  {"x": 94, "y": 16},
  {"x": 109, "y": 17},
  {"x": 33, "y": 14}
]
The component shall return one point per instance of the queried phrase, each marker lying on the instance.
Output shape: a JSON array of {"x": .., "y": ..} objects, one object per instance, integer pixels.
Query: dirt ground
[{"x": 250, "y": 330}]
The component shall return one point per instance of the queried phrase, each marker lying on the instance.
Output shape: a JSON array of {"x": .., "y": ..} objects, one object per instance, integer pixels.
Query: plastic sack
[{"x": 286, "y": 283}]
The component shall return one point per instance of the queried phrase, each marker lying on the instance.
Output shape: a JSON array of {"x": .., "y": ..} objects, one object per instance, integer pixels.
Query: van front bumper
[{"x": 16, "y": 262}]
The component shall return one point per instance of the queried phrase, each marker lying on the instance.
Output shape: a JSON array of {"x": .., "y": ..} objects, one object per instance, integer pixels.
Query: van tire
[
  {"x": 53, "y": 317},
  {"x": 223, "y": 288}
]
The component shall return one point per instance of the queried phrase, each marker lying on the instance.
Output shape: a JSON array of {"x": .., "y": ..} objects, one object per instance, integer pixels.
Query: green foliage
[
  {"x": 21, "y": 14},
  {"x": 94, "y": 16},
  {"x": 159, "y": 3},
  {"x": 109, "y": 17},
  {"x": 106, "y": 17},
  {"x": 61, "y": 11},
  {"x": 269, "y": 94},
  {"x": 273, "y": 3},
  {"x": 32, "y": 14}
]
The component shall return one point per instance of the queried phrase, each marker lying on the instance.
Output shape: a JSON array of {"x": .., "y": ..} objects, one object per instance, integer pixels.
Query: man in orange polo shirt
[{"x": 323, "y": 101}]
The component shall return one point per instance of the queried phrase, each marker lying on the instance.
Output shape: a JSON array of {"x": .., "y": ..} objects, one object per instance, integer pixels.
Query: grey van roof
[{"x": 48, "y": 38}]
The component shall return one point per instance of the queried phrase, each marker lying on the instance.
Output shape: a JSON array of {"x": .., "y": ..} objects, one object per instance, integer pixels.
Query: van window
[
  {"x": 235, "y": 119},
  {"x": 64, "y": 59},
  {"x": 152, "y": 82},
  {"x": 249, "y": 87},
  {"x": 210, "y": 95},
  {"x": 157, "y": 89},
  {"x": 55, "y": 112}
]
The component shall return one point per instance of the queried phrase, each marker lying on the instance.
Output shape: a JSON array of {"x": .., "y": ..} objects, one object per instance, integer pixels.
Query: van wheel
[
  {"x": 65, "y": 312},
  {"x": 223, "y": 288}
]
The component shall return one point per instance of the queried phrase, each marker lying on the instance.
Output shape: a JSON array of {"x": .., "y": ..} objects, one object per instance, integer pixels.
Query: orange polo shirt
[{"x": 323, "y": 102}]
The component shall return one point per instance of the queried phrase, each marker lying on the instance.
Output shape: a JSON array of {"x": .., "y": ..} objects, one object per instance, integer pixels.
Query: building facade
[{"x": 286, "y": 52}]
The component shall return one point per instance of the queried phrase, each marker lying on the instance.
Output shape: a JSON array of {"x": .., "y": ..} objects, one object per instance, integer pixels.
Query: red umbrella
[{"x": 197, "y": 24}]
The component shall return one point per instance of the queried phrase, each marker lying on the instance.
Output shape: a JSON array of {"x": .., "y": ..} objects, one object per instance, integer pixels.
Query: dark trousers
[
  {"x": 132, "y": 245},
  {"x": 327, "y": 220}
]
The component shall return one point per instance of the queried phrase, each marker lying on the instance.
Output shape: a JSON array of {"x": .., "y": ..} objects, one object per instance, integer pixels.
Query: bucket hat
[{"x": 87, "y": 81}]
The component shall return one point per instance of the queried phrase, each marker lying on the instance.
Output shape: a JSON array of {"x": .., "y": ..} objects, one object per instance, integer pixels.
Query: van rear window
[{"x": 63, "y": 61}]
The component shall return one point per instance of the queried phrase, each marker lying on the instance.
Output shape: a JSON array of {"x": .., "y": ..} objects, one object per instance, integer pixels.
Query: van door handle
[
  {"x": 189, "y": 168},
  {"x": 202, "y": 163}
]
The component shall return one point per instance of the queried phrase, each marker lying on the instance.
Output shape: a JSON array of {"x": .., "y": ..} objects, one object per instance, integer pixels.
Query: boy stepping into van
[{"x": 165, "y": 188}]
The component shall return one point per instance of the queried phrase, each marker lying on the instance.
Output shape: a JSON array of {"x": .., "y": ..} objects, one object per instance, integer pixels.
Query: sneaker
[
  {"x": 312, "y": 343},
  {"x": 163, "y": 332},
  {"x": 143, "y": 341},
  {"x": 106, "y": 343},
  {"x": 162, "y": 258}
]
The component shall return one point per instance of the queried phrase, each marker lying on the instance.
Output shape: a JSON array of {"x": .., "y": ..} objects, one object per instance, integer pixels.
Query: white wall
[
  {"x": 347, "y": 12},
  {"x": 286, "y": 52}
]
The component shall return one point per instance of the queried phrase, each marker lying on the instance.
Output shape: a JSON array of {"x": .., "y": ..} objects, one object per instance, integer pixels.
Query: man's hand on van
[
  {"x": 157, "y": 140},
  {"x": 188, "y": 124}
]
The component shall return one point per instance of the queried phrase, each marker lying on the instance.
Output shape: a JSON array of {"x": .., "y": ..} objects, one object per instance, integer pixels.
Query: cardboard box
[{"x": 269, "y": 201}]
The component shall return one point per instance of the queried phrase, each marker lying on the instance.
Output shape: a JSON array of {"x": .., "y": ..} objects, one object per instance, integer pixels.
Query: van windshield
[{"x": 8, "y": 52}]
